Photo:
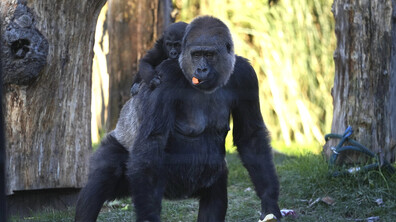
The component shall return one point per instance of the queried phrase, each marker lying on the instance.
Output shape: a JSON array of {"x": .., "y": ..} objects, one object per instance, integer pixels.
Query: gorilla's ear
[{"x": 228, "y": 46}]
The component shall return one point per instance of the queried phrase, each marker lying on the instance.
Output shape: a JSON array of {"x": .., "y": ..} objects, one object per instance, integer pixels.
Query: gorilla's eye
[
  {"x": 168, "y": 44},
  {"x": 209, "y": 54},
  {"x": 177, "y": 44},
  {"x": 196, "y": 54},
  {"x": 228, "y": 46}
]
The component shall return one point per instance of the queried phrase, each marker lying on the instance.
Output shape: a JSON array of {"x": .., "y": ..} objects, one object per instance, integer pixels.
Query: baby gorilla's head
[{"x": 173, "y": 36}]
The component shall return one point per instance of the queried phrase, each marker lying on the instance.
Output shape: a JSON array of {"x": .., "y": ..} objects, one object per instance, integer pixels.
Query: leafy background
[{"x": 290, "y": 44}]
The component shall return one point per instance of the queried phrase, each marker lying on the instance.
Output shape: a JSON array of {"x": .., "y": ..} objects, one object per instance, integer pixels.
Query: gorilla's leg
[
  {"x": 106, "y": 179},
  {"x": 147, "y": 192},
  {"x": 213, "y": 201}
]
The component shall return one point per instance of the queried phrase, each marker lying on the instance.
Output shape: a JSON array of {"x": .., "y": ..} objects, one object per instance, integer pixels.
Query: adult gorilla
[{"x": 179, "y": 148}]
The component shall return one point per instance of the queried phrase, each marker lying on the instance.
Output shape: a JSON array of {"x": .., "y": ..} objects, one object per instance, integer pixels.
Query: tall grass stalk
[{"x": 290, "y": 44}]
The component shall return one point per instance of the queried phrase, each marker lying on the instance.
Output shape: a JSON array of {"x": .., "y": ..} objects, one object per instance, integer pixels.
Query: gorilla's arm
[
  {"x": 252, "y": 140},
  {"x": 152, "y": 59},
  {"x": 145, "y": 165},
  {"x": 146, "y": 176},
  {"x": 156, "y": 117}
]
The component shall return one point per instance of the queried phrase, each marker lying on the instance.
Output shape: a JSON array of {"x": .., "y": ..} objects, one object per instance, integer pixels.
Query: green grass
[{"x": 303, "y": 179}]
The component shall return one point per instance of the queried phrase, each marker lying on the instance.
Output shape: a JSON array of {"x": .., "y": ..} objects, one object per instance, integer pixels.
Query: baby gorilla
[{"x": 168, "y": 46}]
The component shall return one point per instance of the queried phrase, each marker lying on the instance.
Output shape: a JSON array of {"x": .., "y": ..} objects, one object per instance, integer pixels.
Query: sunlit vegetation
[{"x": 290, "y": 44}]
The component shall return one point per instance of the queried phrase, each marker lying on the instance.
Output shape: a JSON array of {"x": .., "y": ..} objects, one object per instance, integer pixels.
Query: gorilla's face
[
  {"x": 207, "y": 58},
  {"x": 173, "y": 47},
  {"x": 172, "y": 39}
]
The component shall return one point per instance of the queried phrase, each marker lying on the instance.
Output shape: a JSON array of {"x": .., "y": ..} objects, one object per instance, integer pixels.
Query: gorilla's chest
[
  {"x": 201, "y": 113},
  {"x": 194, "y": 154}
]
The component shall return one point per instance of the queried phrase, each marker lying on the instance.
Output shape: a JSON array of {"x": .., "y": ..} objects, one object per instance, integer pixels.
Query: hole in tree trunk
[{"x": 20, "y": 48}]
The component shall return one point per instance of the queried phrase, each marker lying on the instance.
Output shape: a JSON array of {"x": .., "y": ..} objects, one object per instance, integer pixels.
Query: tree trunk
[
  {"x": 134, "y": 26},
  {"x": 364, "y": 93},
  {"x": 47, "y": 61},
  {"x": 3, "y": 209}
]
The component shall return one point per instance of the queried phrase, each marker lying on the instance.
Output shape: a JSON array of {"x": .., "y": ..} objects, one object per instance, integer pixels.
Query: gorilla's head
[
  {"x": 207, "y": 58},
  {"x": 173, "y": 36}
]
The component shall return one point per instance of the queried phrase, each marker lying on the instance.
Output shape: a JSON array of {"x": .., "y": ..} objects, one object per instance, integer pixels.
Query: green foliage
[{"x": 290, "y": 44}]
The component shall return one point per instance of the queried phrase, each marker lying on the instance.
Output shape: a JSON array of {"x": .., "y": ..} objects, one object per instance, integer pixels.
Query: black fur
[
  {"x": 168, "y": 46},
  {"x": 179, "y": 148},
  {"x": 106, "y": 179}
]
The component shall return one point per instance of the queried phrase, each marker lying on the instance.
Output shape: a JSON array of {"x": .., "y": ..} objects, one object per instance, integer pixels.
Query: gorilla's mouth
[
  {"x": 198, "y": 82},
  {"x": 195, "y": 80},
  {"x": 174, "y": 56}
]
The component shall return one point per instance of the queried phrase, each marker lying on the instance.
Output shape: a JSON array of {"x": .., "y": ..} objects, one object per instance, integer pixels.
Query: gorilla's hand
[
  {"x": 155, "y": 82},
  {"x": 270, "y": 207},
  {"x": 135, "y": 88}
]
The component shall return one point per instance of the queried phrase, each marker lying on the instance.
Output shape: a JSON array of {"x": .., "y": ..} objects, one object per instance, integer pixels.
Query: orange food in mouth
[{"x": 195, "y": 81}]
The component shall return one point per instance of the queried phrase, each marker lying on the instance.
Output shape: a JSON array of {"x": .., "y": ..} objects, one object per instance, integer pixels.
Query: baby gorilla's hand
[
  {"x": 135, "y": 89},
  {"x": 155, "y": 82}
]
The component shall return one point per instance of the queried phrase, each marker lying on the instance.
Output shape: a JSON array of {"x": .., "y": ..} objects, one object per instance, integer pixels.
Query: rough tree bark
[
  {"x": 134, "y": 26},
  {"x": 47, "y": 60},
  {"x": 364, "y": 90},
  {"x": 3, "y": 209}
]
